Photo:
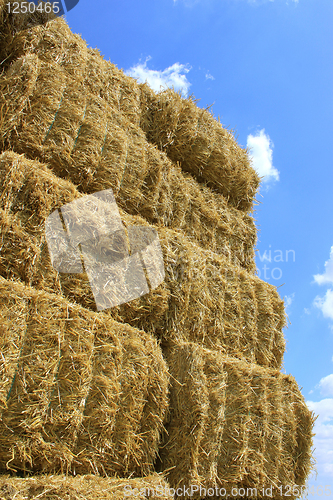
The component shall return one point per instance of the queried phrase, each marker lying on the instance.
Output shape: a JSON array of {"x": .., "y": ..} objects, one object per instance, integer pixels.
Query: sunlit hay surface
[
  {"x": 248, "y": 314},
  {"x": 82, "y": 488},
  {"x": 194, "y": 138},
  {"x": 83, "y": 392},
  {"x": 234, "y": 423},
  {"x": 188, "y": 134},
  {"x": 79, "y": 392},
  {"x": 48, "y": 115}
]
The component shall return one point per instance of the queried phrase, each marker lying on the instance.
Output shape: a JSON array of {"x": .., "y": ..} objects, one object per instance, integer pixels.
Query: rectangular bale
[
  {"x": 61, "y": 128},
  {"x": 44, "y": 34},
  {"x": 83, "y": 139},
  {"x": 80, "y": 392},
  {"x": 194, "y": 138},
  {"x": 233, "y": 424},
  {"x": 189, "y": 135},
  {"x": 54, "y": 42}
]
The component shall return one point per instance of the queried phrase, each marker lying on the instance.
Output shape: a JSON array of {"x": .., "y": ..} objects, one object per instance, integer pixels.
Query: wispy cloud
[
  {"x": 172, "y": 77},
  {"x": 209, "y": 76},
  {"x": 261, "y": 154},
  {"x": 261, "y": 2},
  {"x": 327, "y": 277},
  {"x": 188, "y": 3},
  {"x": 323, "y": 440},
  {"x": 326, "y": 386},
  {"x": 325, "y": 304},
  {"x": 288, "y": 300}
]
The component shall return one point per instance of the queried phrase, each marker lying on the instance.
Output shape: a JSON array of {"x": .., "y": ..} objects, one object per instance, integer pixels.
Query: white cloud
[
  {"x": 288, "y": 300},
  {"x": 323, "y": 440},
  {"x": 209, "y": 76},
  {"x": 326, "y": 386},
  {"x": 325, "y": 304},
  {"x": 261, "y": 154},
  {"x": 327, "y": 277},
  {"x": 173, "y": 76},
  {"x": 188, "y": 3}
]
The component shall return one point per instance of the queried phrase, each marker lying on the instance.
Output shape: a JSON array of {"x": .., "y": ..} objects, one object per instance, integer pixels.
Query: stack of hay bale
[{"x": 184, "y": 381}]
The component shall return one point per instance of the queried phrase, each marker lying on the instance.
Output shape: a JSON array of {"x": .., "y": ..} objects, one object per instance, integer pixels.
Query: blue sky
[{"x": 267, "y": 68}]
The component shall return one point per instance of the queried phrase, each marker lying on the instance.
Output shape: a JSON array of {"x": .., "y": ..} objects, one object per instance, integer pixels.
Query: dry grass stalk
[
  {"x": 82, "y": 488},
  {"x": 233, "y": 424},
  {"x": 79, "y": 392},
  {"x": 248, "y": 314},
  {"x": 43, "y": 34}
]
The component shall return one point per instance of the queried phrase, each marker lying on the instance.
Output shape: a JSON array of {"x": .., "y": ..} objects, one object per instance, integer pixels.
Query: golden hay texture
[
  {"x": 87, "y": 487},
  {"x": 198, "y": 143},
  {"x": 204, "y": 298},
  {"x": 192, "y": 136},
  {"x": 233, "y": 423},
  {"x": 54, "y": 42},
  {"x": 85, "y": 392},
  {"x": 78, "y": 391},
  {"x": 28, "y": 33},
  {"x": 48, "y": 115}
]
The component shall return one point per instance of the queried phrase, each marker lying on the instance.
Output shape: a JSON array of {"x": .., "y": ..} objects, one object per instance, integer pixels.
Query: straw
[
  {"x": 233, "y": 423},
  {"x": 82, "y": 488},
  {"x": 191, "y": 136},
  {"x": 94, "y": 145},
  {"x": 204, "y": 297},
  {"x": 79, "y": 392}
]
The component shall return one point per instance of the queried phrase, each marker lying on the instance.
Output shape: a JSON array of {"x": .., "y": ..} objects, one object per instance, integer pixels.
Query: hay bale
[
  {"x": 191, "y": 136},
  {"x": 79, "y": 392},
  {"x": 188, "y": 134},
  {"x": 233, "y": 424},
  {"x": 220, "y": 306},
  {"x": 45, "y": 34},
  {"x": 54, "y": 42},
  {"x": 30, "y": 193},
  {"x": 82, "y": 138},
  {"x": 248, "y": 314},
  {"x": 86, "y": 487}
]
